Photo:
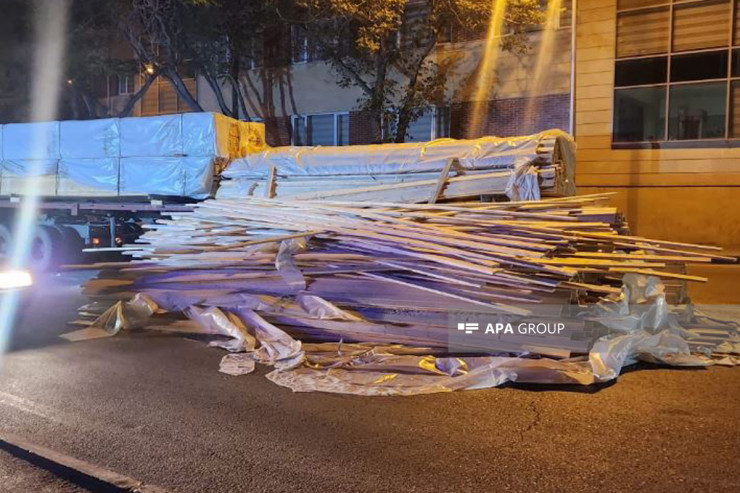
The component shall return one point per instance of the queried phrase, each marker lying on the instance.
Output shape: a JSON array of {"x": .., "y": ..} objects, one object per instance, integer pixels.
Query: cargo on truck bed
[{"x": 100, "y": 180}]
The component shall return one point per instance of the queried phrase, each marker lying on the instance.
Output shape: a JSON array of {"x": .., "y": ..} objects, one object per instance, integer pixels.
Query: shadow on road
[{"x": 45, "y": 309}]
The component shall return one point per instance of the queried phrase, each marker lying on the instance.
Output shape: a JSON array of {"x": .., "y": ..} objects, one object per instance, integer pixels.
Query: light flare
[
  {"x": 487, "y": 68},
  {"x": 50, "y": 22},
  {"x": 545, "y": 55}
]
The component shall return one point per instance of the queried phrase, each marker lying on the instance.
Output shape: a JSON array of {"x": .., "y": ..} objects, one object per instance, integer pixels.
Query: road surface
[{"x": 155, "y": 407}]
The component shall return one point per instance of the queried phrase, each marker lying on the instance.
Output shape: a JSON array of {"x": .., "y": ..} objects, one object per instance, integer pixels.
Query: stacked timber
[
  {"x": 388, "y": 272},
  {"x": 169, "y": 155},
  {"x": 519, "y": 167}
]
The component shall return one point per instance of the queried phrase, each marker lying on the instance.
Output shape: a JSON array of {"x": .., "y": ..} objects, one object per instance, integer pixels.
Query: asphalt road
[
  {"x": 154, "y": 407},
  {"x": 18, "y": 475}
]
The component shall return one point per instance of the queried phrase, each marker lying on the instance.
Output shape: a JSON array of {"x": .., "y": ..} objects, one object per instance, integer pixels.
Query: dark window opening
[
  {"x": 639, "y": 114},
  {"x": 699, "y": 66},
  {"x": 697, "y": 111},
  {"x": 641, "y": 71}
]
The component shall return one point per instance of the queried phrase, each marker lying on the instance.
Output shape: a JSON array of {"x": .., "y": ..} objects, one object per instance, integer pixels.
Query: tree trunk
[
  {"x": 126, "y": 111},
  {"x": 218, "y": 92},
  {"x": 234, "y": 75},
  {"x": 177, "y": 83},
  {"x": 409, "y": 103},
  {"x": 377, "y": 100},
  {"x": 404, "y": 119},
  {"x": 244, "y": 115}
]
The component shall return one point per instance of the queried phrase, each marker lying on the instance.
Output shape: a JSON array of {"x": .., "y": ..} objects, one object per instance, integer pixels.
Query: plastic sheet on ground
[
  {"x": 650, "y": 331},
  {"x": 124, "y": 315}
]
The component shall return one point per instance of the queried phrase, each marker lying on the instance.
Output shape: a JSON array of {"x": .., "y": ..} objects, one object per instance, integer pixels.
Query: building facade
[
  {"x": 656, "y": 96},
  {"x": 298, "y": 97}
]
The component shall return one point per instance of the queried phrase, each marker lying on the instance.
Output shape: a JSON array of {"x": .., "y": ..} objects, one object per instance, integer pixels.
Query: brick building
[{"x": 298, "y": 97}]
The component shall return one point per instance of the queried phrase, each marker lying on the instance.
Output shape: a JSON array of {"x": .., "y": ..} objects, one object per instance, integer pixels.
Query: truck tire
[
  {"x": 72, "y": 244},
  {"x": 6, "y": 241},
  {"x": 47, "y": 249}
]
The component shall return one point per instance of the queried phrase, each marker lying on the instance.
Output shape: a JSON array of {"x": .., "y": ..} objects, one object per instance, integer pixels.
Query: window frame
[
  {"x": 128, "y": 85},
  {"x": 434, "y": 132},
  {"x": 305, "y": 49},
  {"x": 305, "y": 116},
  {"x": 732, "y": 46}
]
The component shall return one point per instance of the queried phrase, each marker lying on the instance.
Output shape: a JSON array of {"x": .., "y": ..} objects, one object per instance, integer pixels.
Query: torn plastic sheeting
[
  {"x": 88, "y": 139},
  {"x": 124, "y": 315},
  {"x": 365, "y": 369},
  {"x": 214, "y": 321},
  {"x": 236, "y": 364},
  {"x": 322, "y": 309},
  {"x": 31, "y": 141},
  {"x": 641, "y": 305},
  {"x": 610, "y": 354},
  {"x": 375, "y": 383},
  {"x": 275, "y": 346},
  {"x": 523, "y": 183},
  {"x": 387, "y": 374},
  {"x": 285, "y": 265}
]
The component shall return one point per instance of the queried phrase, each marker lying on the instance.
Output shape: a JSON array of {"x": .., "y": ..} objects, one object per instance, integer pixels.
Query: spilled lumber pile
[
  {"x": 387, "y": 273},
  {"x": 522, "y": 168}
]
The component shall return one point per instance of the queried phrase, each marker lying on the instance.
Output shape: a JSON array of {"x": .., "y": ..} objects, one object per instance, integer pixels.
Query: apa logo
[
  {"x": 499, "y": 328},
  {"x": 468, "y": 327}
]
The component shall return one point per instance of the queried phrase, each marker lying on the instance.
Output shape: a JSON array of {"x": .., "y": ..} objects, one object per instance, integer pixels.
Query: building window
[
  {"x": 432, "y": 124},
  {"x": 299, "y": 44},
  {"x": 125, "y": 84},
  {"x": 677, "y": 71},
  {"x": 327, "y": 129},
  {"x": 254, "y": 50}
]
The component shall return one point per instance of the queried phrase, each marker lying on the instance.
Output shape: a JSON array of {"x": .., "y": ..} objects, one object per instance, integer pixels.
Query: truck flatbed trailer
[
  {"x": 100, "y": 181},
  {"x": 67, "y": 227}
]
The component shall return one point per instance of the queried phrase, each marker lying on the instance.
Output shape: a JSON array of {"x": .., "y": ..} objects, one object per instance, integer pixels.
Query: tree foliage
[
  {"x": 386, "y": 48},
  {"x": 391, "y": 46}
]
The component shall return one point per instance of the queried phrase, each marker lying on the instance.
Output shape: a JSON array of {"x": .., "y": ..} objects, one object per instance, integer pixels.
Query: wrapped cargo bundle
[
  {"x": 172, "y": 155},
  {"x": 520, "y": 167}
]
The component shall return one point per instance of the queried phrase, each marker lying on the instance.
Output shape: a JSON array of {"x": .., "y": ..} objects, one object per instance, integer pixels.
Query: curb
[{"x": 79, "y": 472}]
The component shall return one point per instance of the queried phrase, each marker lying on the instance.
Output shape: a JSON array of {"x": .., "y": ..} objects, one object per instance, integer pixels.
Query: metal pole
[{"x": 572, "y": 109}]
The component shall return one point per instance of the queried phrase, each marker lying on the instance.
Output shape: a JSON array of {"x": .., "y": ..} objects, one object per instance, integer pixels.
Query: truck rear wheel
[
  {"x": 72, "y": 244},
  {"x": 47, "y": 249},
  {"x": 6, "y": 241}
]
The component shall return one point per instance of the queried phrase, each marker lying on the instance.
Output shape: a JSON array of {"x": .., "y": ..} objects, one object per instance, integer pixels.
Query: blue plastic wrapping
[
  {"x": 26, "y": 176},
  {"x": 90, "y": 138},
  {"x": 172, "y": 155},
  {"x": 151, "y": 136},
  {"x": 151, "y": 176},
  {"x": 198, "y": 177},
  {"x": 31, "y": 141},
  {"x": 88, "y": 177},
  {"x": 209, "y": 134},
  {"x": 29, "y": 167}
]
